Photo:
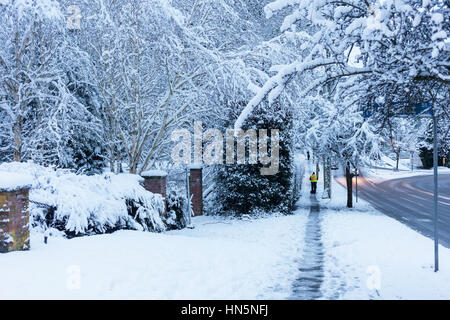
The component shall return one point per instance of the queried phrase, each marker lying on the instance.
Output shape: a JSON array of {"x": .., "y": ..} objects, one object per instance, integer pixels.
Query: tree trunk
[
  {"x": 112, "y": 163},
  {"x": 317, "y": 168},
  {"x": 18, "y": 140},
  {"x": 119, "y": 163},
  {"x": 397, "y": 156},
  {"x": 349, "y": 179},
  {"x": 326, "y": 178},
  {"x": 133, "y": 168}
]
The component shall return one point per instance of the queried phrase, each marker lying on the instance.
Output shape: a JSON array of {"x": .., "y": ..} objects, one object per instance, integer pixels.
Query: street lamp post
[{"x": 435, "y": 206}]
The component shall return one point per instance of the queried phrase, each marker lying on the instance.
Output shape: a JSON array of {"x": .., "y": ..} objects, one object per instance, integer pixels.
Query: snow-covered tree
[
  {"x": 241, "y": 188},
  {"x": 336, "y": 131},
  {"x": 402, "y": 135},
  {"x": 365, "y": 49},
  {"x": 40, "y": 113},
  {"x": 150, "y": 82}
]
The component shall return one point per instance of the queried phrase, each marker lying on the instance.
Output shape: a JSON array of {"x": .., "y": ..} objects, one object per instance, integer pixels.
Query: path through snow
[{"x": 308, "y": 283}]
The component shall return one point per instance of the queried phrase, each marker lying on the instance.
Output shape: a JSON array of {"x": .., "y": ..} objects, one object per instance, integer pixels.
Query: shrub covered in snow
[
  {"x": 242, "y": 189},
  {"x": 82, "y": 205},
  {"x": 176, "y": 207}
]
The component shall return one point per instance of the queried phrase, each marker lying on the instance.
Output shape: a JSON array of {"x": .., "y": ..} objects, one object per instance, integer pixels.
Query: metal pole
[
  {"x": 435, "y": 164},
  {"x": 356, "y": 185}
]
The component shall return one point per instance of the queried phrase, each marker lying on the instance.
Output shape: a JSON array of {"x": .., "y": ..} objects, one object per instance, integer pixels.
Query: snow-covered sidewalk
[
  {"x": 219, "y": 259},
  {"x": 371, "y": 256}
]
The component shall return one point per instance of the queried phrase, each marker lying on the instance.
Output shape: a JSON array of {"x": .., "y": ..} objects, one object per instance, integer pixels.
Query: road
[{"x": 410, "y": 201}]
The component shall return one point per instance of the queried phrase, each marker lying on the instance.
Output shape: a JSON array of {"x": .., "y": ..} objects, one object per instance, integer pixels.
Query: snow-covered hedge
[{"x": 81, "y": 205}]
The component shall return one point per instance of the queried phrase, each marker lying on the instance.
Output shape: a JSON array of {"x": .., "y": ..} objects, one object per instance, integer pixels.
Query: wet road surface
[{"x": 410, "y": 201}]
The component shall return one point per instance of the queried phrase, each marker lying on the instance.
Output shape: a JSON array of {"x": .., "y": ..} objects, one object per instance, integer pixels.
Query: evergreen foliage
[{"x": 241, "y": 187}]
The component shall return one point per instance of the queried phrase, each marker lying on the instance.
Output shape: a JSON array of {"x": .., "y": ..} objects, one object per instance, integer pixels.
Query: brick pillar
[
  {"x": 14, "y": 217},
  {"x": 155, "y": 181},
  {"x": 196, "y": 190}
]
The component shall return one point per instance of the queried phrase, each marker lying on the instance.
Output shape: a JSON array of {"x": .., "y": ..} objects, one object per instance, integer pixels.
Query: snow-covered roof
[
  {"x": 154, "y": 173},
  {"x": 10, "y": 181}
]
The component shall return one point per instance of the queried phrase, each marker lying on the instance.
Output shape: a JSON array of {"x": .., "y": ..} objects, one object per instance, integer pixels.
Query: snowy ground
[
  {"x": 219, "y": 259},
  {"x": 371, "y": 256},
  {"x": 367, "y": 256},
  {"x": 383, "y": 170}
]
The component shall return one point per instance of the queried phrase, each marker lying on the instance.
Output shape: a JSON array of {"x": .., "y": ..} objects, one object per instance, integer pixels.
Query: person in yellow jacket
[{"x": 313, "y": 180}]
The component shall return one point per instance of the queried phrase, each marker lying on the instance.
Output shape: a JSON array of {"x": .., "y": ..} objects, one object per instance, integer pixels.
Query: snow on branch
[{"x": 277, "y": 83}]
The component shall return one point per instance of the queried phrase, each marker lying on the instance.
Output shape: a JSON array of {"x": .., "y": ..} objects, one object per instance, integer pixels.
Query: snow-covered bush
[
  {"x": 82, "y": 205},
  {"x": 242, "y": 189},
  {"x": 175, "y": 216}
]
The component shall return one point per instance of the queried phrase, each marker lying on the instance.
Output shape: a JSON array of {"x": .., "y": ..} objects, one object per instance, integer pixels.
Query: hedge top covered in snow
[
  {"x": 154, "y": 173},
  {"x": 89, "y": 204},
  {"x": 10, "y": 181}
]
